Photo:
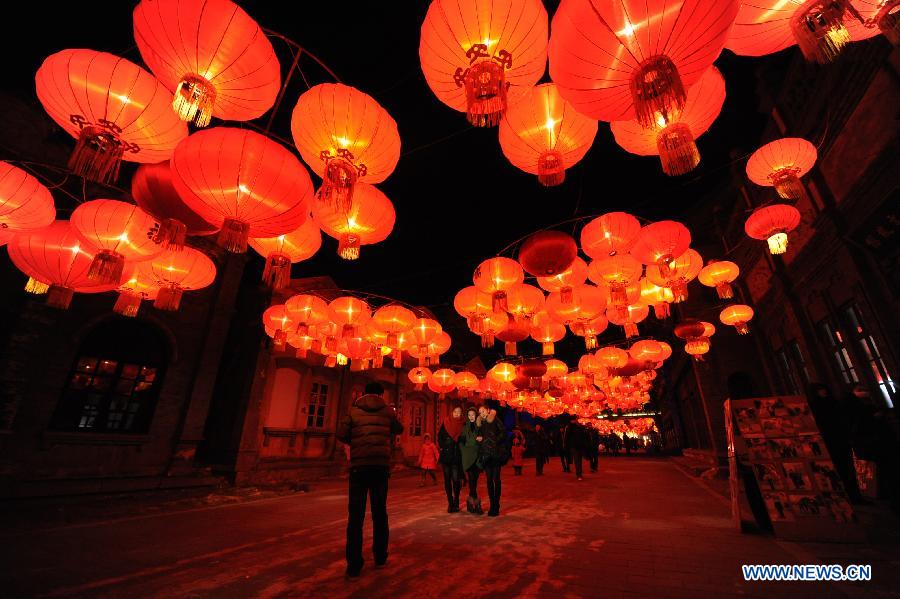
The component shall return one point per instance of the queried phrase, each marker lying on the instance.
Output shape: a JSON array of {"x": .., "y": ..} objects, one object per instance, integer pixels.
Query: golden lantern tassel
[
  {"x": 171, "y": 234},
  {"x": 742, "y": 328},
  {"x": 194, "y": 100},
  {"x": 36, "y": 287},
  {"x": 788, "y": 184},
  {"x": 547, "y": 348},
  {"x": 107, "y": 267},
  {"x": 127, "y": 304},
  {"x": 233, "y": 236},
  {"x": 657, "y": 92},
  {"x": 277, "y": 272},
  {"x": 778, "y": 243},
  {"x": 60, "y": 297},
  {"x": 590, "y": 342},
  {"x": 818, "y": 27},
  {"x": 349, "y": 246},
  {"x": 677, "y": 150},
  {"x": 97, "y": 155},
  {"x": 169, "y": 299},
  {"x": 551, "y": 170}
]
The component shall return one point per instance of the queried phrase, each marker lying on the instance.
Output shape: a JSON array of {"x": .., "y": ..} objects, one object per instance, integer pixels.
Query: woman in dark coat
[
  {"x": 469, "y": 442},
  {"x": 451, "y": 459},
  {"x": 541, "y": 446},
  {"x": 577, "y": 440},
  {"x": 493, "y": 453},
  {"x": 836, "y": 434}
]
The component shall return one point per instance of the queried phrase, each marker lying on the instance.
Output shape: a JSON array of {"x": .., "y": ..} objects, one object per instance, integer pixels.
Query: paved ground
[{"x": 640, "y": 528}]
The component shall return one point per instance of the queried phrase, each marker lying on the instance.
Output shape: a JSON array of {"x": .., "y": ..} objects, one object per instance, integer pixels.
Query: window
[
  {"x": 792, "y": 367},
  {"x": 837, "y": 347},
  {"x": 797, "y": 354},
  {"x": 415, "y": 420},
  {"x": 115, "y": 381},
  {"x": 318, "y": 399},
  {"x": 869, "y": 351},
  {"x": 787, "y": 372}
]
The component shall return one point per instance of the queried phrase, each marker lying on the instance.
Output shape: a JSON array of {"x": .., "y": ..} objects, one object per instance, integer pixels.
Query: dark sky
[{"x": 458, "y": 200}]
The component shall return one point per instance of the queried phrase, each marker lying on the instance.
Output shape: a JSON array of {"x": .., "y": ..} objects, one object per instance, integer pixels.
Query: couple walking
[{"x": 468, "y": 447}]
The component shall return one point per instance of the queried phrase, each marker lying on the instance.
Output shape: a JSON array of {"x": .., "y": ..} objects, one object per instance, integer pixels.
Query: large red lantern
[
  {"x": 496, "y": 276},
  {"x": 306, "y": 311},
  {"x": 114, "y": 108},
  {"x": 773, "y": 223},
  {"x": 287, "y": 249},
  {"x": 780, "y": 164},
  {"x": 419, "y": 376},
  {"x": 243, "y": 182},
  {"x": 120, "y": 231},
  {"x": 633, "y": 314},
  {"x": 720, "y": 274},
  {"x": 58, "y": 258},
  {"x": 657, "y": 296},
  {"x": 370, "y": 220},
  {"x": 176, "y": 272},
  {"x": 544, "y": 135},
  {"x": 277, "y": 325},
  {"x": 477, "y": 55},
  {"x": 514, "y": 333},
  {"x": 466, "y": 382},
  {"x": 546, "y": 331},
  {"x": 393, "y": 319},
  {"x": 674, "y": 140},
  {"x": 213, "y": 56},
  {"x": 423, "y": 332},
  {"x": 635, "y": 59},
  {"x": 25, "y": 204},
  {"x": 344, "y": 135},
  {"x": 661, "y": 242},
  {"x": 609, "y": 234},
  {"x": 547, "y": 253},
  {"x": 153, "y": 190},
  {"x": 567, "y": 280}
]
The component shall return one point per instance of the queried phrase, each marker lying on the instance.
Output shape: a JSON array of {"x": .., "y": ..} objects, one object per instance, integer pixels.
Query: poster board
[{"x": 778, "y": 440}]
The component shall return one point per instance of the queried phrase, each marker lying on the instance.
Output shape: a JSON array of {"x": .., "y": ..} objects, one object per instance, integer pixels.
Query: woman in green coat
[{"x": 469, "y": 441}]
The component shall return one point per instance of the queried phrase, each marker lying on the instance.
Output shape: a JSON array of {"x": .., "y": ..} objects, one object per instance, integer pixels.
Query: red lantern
[
  {"x": 393, "y": 319},
  {"x": 277, "y": 325},
  {"x": 617, "y": 272},
  {"x": 647, "y": 351},
  {"x": 542, "y": 134},
  {"x": 491, "y": 325},
  {"x": 657, "y": 296},
  {"x": 466, "y": 382},
  {"x": 773, "y": 223},
  {"x": 547, "y": 253},
  {"x": 419, "y": 376},
  {"x": 512, "y": 334},
  {"x": 443, "y": 381},
  {"x": 424, "y": 331},
  {"x": 660, "y": 243},
  {"x": 546, "y": 331},
  {"x": 674, "y": 141},
  {"x": 243, "y": 182},
  {"x": 496, "y": 276},
  {"x": 344, "y": 135},
  {"x": 634, "y": 313},
  {"x": 25, "y": 204},
  {"x": 720, "y": 274},
  {"x": 475, "y": 60},
  {"x": 677, "y": 274},
  {"x": 780, "y": 164},
  {"x": 738, "y": 316},
  {"x": 589, "y": 329},
  {"x": 555, "y": 369},
  {"x": 114, "y": 108},
  {"x": 138, "y": 287},
  {"x": 609, "y": 234},
  {"x": 153, "y": 190},
  {"x": 176, "y": 272},
  {"x": 502, "y": 372},
  {"x": 588, "y": 301},
  {"x": 567, "y": 280},
  {"x": 474, "y": 306},
  {"x": 612, "y": 357},
  {"x": 635, "y": 58},
  {"x": 524, "y": 301},
  {"x": 349, "y": 313},
  {"x": 370, "y": 220},
  {"x": 307, "y": 311},
  {"x": 213, "y": 56},
  {"x": 58, "y": 258},
  {"x": 287, "y": 249},
  {"x": 120, "y": 231}
]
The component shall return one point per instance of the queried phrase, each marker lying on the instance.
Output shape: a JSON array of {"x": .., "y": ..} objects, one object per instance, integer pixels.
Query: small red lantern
[
  {"x": 609, "y": 234},
  {"x": 781, "y": 163},
  {"x": 566, "y": 281},
  {"x": 496, "y": 276},
  {"x": 25, "y": 204},
  {"x": 720, "y": 274},
  {"x": 773, "y": 223},
  {"x": 547, "y": 253},
  {"x": 176, "y": 272},
  {"x": 737, "y": 316}
]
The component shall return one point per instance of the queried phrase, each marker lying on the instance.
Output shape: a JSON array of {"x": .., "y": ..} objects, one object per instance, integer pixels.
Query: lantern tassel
[
  {"x": 233, "y": 236},
  {"x": 171, "y": 234},
  {"x": 97, "y": 155},
  {"x": 661, "y": 310},
  {"x": 337, "y": 184},
  {"x": 677, "y": 150},
  {"x": 60, "y": 297},
  {"x": 551, "y": 170},
  {"x": 724, "y": 291},
  {"x": 277, "y": 272},
  {"x": 548, "y": 348},
  {"x": 818, "y": 27},
  {"x": 631, "y": 329},
  {"x": 510, "y": 348},
  {"x": 590, "y": 342},
  {"x": 485, "y": 84},
  {"x": 168, "y": 299},
  {"x": 679, "y": 290},
  {"x": 566, "y": 295},
  {"x": 742, "y": 328},
  {"x": 194, "y": 100},
  {"x": 106, "y": 267},
  {"x": 657, "y": 92},
  {"x": 349, "y": 246},
  {"x": 498, "y": 301},
  {"x": 127, "y": 304},
  {"x": 487, "y": 340},
  {"x": 36, "y": 287},
  {"x": 398, "y": 358},
  {"x": 301, "y": 353}
]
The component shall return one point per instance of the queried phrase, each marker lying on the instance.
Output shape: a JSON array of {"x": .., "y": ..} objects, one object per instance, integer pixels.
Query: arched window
[{"x": 115, "y": 379}]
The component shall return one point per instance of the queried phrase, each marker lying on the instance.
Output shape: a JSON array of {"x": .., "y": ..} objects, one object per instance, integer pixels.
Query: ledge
[{"x": 50, "y": 438}]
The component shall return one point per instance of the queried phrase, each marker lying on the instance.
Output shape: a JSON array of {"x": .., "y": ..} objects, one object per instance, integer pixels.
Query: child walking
[
  {"x": 428, "y": 459},
  {"x": 518, "y": 454}
]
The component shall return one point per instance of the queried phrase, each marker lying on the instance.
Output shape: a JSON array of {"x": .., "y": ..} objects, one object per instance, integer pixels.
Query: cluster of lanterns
[
  {"x": 233, "y": 182},
  {"x": 348, "y": 329},
  {"x": 632, "y": 427},
  {"x": 644, "y": 66}
]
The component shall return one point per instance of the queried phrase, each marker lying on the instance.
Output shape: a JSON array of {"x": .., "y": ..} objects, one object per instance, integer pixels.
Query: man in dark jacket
[
  {"x": 540, "y": 444},
  {"x": 368, "y": 429},
  {"x": 577, "y": 440}
]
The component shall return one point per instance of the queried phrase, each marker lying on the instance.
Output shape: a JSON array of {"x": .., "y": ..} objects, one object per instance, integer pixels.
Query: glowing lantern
[
  {"x": 466, "y": 382},
  {"x": 136, "y": 288},
  {"x": 781, "y": 163},
  {"x": 546, "y": 331},
  {"x": 720, "y": 274},
  {"x": 589, "y": 329},
  {"x": 588, "y": 301},
  {"x": 491, "y": 325},
  {"x": 660, "y": 243},
  {"x": 647, "y": 351},
  {"x": 153, "y": 190},
  {"x": 514, "y": 332},
  {"x": 634, "y": 314},
  {"x": 175, "y": 272},
  {"x": 114, "y": 108},
  {"x": 25, "y": 204},
  {"x": 773, "y": 223},
  {"x": 358, "y": 349},
  {"x": 496, "y": 276},
  {"x": 393, "y": 319},
  {"x": 370, "y": 220},
  {"x": 275, "y": 319},
  {"x": 306, "y": 311},
  {"x": 678, "y": 274},
  {"x": 555, "y": 369},
  {"x": 474, "y": 306},
  {"x": 213, "y": 56},
  {"x": 419, "y": 376},
  {"x": 57, "y": 259},
  {"x": 612, "y": 358},
  {"x": 477, "y": 55},
  {"x": 284, "y": 250},
  {"x": 242, "y": 182},
  {"x": 737, "y": 316},
  {"x": 674, "y": 140},
  {"x": 542, "y": 134},
  {"x": 424, "y": 331},
  {"x": 120, "y": 231},
  {"x": 609, "y": 234},
  {"x": 502, "y": 372},
  {"x": 693, "y": 332},
  {"x": 657, "y": 296},
  {"x": 547, "y": 253},
  {"x": 617, "y": 272},
  {"x": 565, "y": 281},
  {"x": 302, "y": 343},
  {"x": 349, "y": 313},
  {"x": 443, "y": 381},
  {"x": 635, "y": 58},
  {"x": 345, "y": 136},
  {"x": 524, "y": 301}
]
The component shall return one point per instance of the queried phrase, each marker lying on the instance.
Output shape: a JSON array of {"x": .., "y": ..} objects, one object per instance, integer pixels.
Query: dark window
[
  {"x": 115, "y": 381},
  {"x": 415, "y": 420},
  {"x": 792, "y": 367},
  {"x": 318, "y": 399},
  {"x": 869, "y": 351},
  {"x": 836, "y": 346},
  {"x": 787, "y": 372},
  {"x": 799, "y": 361}
]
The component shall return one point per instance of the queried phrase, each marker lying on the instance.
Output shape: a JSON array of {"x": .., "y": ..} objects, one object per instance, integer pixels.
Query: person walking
[
  {"x": 428, "y": 459},
  {"x": 469, "y": 441},
  {"x": 593, "y": 450},
  {"x": 559, "y": 441},
  {"x": 540, "y": 445},
  {"x": 518, "y": 455},
  {"x": 368, "y": 429},
  {"x": 577, "y": 441},
  {"x": 493, "y": 453},
  {"x": 450, "y": 457}
]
